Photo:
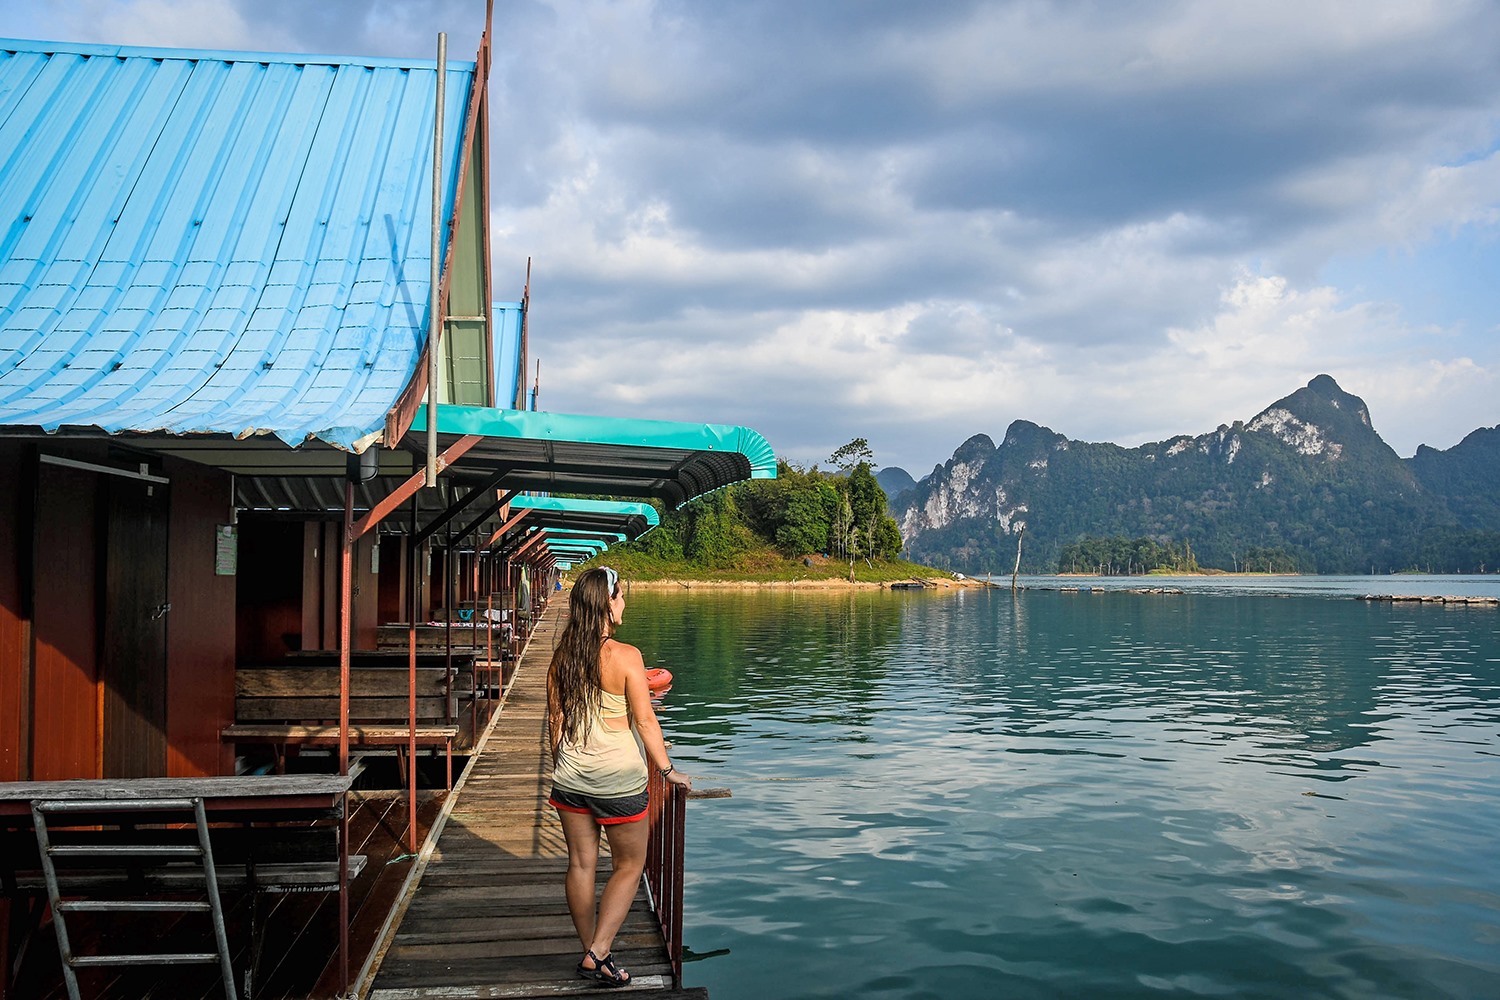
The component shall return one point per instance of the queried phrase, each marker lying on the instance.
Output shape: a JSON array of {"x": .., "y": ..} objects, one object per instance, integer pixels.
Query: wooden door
[{"x": 133, "y": 636}]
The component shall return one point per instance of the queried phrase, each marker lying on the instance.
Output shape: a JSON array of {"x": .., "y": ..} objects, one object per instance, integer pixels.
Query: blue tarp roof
[{"x": 215, "y": 242}]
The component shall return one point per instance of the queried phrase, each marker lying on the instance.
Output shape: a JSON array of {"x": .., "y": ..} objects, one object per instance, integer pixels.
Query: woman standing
[{"x": 603, "y": 733}]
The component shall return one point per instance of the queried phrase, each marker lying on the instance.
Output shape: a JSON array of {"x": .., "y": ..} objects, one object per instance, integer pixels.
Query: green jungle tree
[{"x": 801, "y": 512}]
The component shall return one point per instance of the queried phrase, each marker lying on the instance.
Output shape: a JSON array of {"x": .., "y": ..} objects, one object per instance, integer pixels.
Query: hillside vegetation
[{"x": 804, "y": 524}]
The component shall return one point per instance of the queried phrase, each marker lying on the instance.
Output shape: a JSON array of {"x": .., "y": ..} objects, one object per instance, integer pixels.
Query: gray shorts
[{"x": 622, "y": 809}]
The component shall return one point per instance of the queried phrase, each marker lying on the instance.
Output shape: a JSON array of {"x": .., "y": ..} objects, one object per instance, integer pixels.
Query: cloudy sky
[{"x": 913, "y": 222}]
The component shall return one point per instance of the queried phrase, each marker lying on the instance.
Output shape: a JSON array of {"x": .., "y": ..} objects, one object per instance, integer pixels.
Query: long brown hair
[{"x": 574, "y": 670}]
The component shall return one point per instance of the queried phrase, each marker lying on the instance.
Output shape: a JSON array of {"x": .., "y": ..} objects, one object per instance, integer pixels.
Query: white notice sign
[{"x": 226, "y": 550}]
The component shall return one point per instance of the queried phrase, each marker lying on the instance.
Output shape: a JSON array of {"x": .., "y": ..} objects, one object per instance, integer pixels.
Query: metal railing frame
[{"x": 665, "y": 865}]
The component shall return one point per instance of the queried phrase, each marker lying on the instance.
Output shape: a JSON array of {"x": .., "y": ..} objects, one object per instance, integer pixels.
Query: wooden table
[{"x": 227, "y": 798}]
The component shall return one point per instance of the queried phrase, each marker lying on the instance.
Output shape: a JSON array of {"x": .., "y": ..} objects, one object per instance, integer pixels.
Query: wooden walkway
[{"x": 487, "y": 918}]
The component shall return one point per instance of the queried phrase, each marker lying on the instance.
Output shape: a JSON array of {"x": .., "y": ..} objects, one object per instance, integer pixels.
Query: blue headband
[{"x": 612, "y": 578}]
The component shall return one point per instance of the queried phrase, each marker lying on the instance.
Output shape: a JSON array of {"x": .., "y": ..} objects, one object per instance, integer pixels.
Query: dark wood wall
[
  {"x": 321, "y": 566},
  {"x": 15, "y": 644},
  {"x": 116, "y": 636},
  {"x": 65, "y": 718},
  {"x": 366, "y": 594}
]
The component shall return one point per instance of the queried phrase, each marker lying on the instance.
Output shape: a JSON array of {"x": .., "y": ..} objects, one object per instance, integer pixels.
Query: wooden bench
[
  {"x": 494, "y": 673},
  {"x": 467, "y": 637},
  {"x": 296, "y": 703}
]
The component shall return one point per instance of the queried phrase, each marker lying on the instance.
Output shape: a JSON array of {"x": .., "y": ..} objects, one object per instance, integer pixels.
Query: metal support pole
[
  {"x": 449, "y": 586},
  {"x": 411, "y": 689},
  {"x": 346, "y": 635},
  {"x": 346, "y": 629},
  {"x": 434, "y": 323},
  {"x": 474, "y": 620},
  {"x": 489, "y": 634}
]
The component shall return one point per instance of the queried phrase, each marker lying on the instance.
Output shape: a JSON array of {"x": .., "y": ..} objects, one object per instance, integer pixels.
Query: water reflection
[{"x": 1086, "y": 795}]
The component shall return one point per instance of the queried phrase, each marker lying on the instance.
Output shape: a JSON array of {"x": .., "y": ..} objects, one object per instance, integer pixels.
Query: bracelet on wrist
[{"x": 664, "y": 771}]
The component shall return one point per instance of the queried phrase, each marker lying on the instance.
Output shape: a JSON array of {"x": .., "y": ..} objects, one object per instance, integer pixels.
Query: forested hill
[
  {"x": 895, "y": 481},
  {"x": 804, "y": 523},
  {"x": 1307, "y": 478}
]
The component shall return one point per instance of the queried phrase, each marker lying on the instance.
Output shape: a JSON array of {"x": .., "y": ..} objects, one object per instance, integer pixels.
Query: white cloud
[
  {"x": 918, "y": 222},
  {"x": 1270, "y": 338},
  {"x": 209, "y": 24}
]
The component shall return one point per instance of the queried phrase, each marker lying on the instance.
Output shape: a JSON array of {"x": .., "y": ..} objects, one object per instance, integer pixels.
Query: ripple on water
[{"x": 1044, "y": 796}]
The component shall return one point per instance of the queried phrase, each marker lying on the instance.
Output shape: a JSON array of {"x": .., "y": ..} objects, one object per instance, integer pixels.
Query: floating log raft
[
  {"x": 1431, "y": 599},
  {"x": 1121, "y": 590}
]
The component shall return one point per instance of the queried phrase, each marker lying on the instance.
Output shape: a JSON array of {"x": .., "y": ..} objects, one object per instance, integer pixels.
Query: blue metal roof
[
  {"x": 215, "y": 242},
  {"x": 510, "y": 381}
]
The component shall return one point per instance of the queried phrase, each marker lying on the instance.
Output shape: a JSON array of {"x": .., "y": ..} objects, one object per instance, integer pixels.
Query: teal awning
[
  {"x": 605, "y": 456},
  {"x": 560, "y": 546},
  {"x": 578, "y": 513},
  {"x": 515, "y": 451},
  {"x": 569, "y": 536},
  {"x": 578, "y": 545}
]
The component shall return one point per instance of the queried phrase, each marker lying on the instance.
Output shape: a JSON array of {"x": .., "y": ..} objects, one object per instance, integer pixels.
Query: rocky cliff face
[{"x": 1308, "y": 473}]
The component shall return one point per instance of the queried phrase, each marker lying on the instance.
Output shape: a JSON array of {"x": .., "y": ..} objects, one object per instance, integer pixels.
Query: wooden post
[{"x": 1017, "y": 571}]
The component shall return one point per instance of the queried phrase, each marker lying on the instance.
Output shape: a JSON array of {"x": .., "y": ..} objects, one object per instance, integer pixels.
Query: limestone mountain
[
  {"x": 894, "y": 481},
  {"x": 1308, "y": 475},
  {"x": 1467, "y": 475}
]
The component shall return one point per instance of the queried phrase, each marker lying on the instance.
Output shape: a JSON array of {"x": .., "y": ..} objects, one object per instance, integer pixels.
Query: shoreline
[
  {"x": 815, "y": 583},
  {"x": 1147, "y": 576}
]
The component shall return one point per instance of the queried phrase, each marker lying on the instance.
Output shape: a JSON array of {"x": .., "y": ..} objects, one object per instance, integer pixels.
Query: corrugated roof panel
[
  {"x": 183, "y": 233},
  {"x": 510, "y": 381}
]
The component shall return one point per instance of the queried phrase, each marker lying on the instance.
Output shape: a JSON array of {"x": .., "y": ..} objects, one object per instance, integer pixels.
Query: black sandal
[{"x": 604, "y": 971}]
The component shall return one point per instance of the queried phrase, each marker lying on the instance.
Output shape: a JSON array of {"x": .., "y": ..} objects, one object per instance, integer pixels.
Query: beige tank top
[{"x": 608, "y": 762}]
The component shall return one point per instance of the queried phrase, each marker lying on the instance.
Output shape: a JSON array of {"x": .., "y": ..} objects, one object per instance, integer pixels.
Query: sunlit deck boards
[{"x": 488, "y": 918}]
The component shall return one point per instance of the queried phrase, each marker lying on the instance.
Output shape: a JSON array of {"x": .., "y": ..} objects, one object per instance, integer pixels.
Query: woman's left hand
[{"x": 678, "y": 778}]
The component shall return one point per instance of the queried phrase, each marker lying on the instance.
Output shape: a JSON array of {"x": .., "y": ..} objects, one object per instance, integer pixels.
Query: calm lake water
[{"x": 1057, "y": 794}]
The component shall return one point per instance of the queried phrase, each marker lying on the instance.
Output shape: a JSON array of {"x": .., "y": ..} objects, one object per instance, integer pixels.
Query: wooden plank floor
[{"x": 488, "y": 918}]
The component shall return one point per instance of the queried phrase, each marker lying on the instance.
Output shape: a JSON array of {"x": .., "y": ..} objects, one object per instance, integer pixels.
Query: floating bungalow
[{"x": 275, "y": 521}]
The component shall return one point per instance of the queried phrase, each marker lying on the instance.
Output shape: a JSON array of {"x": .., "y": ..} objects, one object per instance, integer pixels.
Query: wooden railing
[{"x": 664, "y": 864}]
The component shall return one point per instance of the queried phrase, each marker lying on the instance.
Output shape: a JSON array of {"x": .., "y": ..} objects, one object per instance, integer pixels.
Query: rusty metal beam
[
  {"x": 501, "y": 531},
  {"x": 402, "y": 493},
  {"x": 457, "y": 507},
  {"x": 529, "y": 543}
]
